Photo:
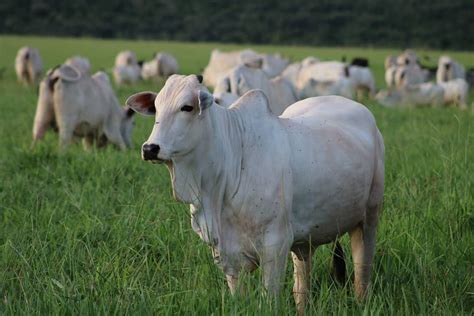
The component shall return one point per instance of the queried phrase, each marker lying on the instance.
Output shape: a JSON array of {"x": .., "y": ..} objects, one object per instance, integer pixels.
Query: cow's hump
[{"x": 254, "y": 103}]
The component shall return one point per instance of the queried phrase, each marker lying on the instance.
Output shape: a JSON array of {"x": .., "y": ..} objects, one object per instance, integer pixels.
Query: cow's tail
[{"x": 338, "y": 264}]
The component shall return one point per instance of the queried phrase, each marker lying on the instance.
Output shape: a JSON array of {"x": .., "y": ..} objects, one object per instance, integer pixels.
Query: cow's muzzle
[{"x": 150, "y": 152}]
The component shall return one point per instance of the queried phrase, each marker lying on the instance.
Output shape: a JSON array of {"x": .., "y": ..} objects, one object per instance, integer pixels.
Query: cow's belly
[{"x": 331, "y": 185}]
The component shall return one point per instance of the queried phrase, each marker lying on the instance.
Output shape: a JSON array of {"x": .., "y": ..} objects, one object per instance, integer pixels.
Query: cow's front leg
[{"x": 273, "y": 263}]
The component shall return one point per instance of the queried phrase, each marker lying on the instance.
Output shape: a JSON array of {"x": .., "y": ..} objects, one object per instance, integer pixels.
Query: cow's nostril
[{"x": 150, "y": 151}]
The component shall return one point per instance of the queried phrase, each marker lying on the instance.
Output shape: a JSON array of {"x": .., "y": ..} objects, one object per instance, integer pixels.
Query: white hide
[{"x": 261, "y": 186}]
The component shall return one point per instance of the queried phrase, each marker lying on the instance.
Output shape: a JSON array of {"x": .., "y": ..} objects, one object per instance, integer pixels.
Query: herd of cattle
[
  {"x": 70, "y": 87},
  {"x": 77, "y": 103},
  {"x": 266, "y": 167}
]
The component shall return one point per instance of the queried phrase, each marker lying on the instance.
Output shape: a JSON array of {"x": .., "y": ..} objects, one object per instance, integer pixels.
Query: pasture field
[{"x": 99, "y": 232}]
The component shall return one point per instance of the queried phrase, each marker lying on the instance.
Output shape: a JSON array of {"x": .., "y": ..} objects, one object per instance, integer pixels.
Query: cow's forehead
[{"x": 177, "y": 91}]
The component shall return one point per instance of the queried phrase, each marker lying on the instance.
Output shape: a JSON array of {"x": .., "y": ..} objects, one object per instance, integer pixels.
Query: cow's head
[{"x": 180, "y": 117}]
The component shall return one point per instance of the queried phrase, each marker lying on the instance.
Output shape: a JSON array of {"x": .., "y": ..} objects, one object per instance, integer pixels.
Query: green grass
[{"x": 99, "y": 232}]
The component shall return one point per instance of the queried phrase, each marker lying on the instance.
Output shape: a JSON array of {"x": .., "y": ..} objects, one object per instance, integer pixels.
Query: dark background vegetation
[{"x": 445, "y": 24}]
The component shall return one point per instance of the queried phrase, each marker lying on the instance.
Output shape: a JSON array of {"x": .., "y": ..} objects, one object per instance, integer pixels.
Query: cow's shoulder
[{"x": 253, "y": 104}]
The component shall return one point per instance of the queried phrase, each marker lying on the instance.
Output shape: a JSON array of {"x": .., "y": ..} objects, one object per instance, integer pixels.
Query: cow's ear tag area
[
  {"x": 205, "y": 100},
  {"x": 142, "y": 102}
]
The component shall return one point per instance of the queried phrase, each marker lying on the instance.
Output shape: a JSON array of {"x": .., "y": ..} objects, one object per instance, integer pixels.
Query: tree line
[{"x": 442, "y": 24}]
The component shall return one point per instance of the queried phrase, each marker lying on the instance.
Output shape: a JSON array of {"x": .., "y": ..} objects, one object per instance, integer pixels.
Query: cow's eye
[{"x": 187, "y": 108}]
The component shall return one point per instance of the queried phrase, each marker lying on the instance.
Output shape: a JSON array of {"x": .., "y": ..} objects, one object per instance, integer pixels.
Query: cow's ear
[
  {"x": 69, "y": 73},
  {"x": 142, "y": 102},
  {"x": 205, "y": 100}
]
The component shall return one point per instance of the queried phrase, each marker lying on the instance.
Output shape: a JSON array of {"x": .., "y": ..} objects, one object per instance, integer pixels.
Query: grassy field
[{"x": 99, "y": 232}]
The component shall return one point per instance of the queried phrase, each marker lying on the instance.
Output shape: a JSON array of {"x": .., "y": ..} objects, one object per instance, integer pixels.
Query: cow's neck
[{"x": 210, "y": 174}]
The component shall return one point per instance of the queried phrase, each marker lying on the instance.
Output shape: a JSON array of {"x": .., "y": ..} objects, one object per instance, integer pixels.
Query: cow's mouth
[{"x": 156, "y": 161}]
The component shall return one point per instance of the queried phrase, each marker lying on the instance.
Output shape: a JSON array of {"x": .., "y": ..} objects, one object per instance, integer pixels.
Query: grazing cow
[
  {"x": 242, "y": 79},
  {"x": 82, "y": 106},
  {"x": 423, "y": 94},
  {"x": 449, "y": 69},
  {"x": 28, "y": 65},
  {"x": 163, "y": 65},
  {"x": 80, "y": 63},
  {"x": 262, "y": 186}
]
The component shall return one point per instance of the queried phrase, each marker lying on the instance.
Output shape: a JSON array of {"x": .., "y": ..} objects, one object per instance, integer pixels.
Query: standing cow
[
  {"x": 28, "y": 65},
  {"x": 81, "y": 106},
  {"x": 262, "y": 186}
]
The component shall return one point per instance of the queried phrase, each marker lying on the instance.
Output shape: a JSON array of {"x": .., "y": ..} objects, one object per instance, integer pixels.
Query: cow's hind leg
[
  {"x": 302, "y": 274},
  {"x": 338, "y": 264},
  {"x": 363, "y": 247}
]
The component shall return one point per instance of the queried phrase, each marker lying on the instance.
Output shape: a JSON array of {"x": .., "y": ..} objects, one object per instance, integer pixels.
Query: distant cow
[
  {"x": 28, "y": 65},
  {"x": 449, "y": 69},
  {"x": 161, "y": 66},
  {"x": 126, "y": 69},
  {"x": 81, "y": 106}
]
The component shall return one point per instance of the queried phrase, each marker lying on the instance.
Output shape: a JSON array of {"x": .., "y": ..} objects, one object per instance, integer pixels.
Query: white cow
[
  {"x": 126, "y": 58},
  {"x": 28, "y": 65},
  {"x": 456, "y": 92},
  {"x": 81, "y": 63},
  {"x": 242, "y": 79},
  {"x": 362, "y": 80},
  {"x": 81, "y": 106},
  {"x": 126, "y": 69},
  {"x": 261, "y": 186},
  {"x": 162, "y": 65},
  {"x": 448, "y": 69},
  {"x": 423, "y": 94}
]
